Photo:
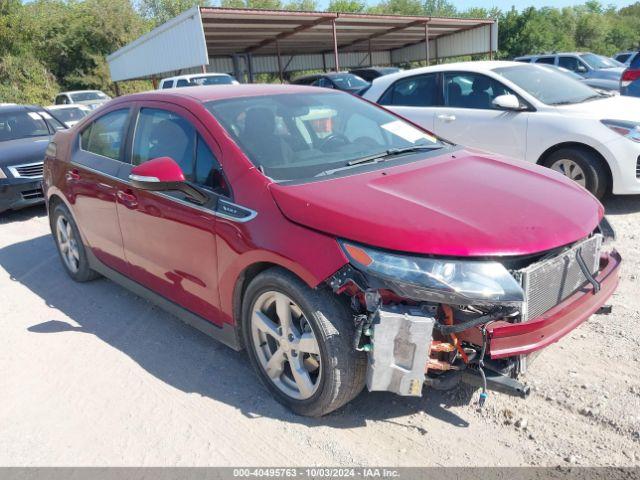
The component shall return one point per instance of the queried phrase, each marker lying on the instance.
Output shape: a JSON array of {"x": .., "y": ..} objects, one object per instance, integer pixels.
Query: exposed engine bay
[{"x": 427, "y": 321}]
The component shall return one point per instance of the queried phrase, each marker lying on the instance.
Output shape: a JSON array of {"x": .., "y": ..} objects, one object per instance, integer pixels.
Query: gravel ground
[{"x": 93, "y": 375}]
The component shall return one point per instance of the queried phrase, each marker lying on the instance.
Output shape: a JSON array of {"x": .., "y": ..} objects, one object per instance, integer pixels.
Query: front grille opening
[
  {"x": 548, "y": 282},
  {"x": 34, "y": 170},
  {"x": 32, "y": 194}
]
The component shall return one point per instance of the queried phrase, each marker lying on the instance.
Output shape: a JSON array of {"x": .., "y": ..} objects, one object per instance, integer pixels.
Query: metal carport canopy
[{"x": 221, "y": 38}]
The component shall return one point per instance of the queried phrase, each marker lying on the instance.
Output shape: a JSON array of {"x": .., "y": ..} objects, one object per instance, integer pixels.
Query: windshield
[
  {"x": 348, "y": 81},
  {"x": 598, "y": 62},
  {"x": 85, "y": 96},
  {"x": 547, "y": 84},
  {"x": 69, "y": 114},
  {"x": 24, "y": 124},
  {"x": 213, "y": 80},
  {"x": 300, "y": 136}
]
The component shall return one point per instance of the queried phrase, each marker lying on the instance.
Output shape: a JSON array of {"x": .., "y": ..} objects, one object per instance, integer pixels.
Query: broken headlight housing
[{"x": 442, "y": 280}]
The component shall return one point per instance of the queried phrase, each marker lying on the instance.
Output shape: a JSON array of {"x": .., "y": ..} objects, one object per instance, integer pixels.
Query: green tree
[
  {"x": 439, "y": 8},
  {"x": 350, "y": 6},
  {"x": 24, "y": 79},
  {"x": 159, "y": 11}
]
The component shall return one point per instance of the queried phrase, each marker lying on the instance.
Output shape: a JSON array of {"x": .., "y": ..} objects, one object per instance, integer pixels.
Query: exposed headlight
[
  {"x": 631, "y": 130},
  {"x": 462, "y": 282}
]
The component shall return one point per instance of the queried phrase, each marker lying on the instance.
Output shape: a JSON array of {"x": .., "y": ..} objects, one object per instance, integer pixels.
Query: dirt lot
[{"x": 93, "y": 375}]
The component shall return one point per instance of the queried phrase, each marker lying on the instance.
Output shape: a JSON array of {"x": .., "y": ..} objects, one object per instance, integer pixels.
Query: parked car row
[{"x": 338, "y": 243}]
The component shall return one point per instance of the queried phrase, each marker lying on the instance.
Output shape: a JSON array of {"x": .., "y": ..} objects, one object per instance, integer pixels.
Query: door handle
[
  {"x": 127, "y": 198},
  {"x": 447, "y": 118},
  {"x": 72, "y": 175}
]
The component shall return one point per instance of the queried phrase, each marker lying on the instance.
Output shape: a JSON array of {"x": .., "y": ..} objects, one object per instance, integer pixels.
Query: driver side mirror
[
  {"x": 164, "y": 174},
  {"x": 581, "y": 68},
  {"x": 507, "y": 102}
]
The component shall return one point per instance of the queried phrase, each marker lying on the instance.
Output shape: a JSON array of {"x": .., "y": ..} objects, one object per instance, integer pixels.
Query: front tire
[
  {"x": 583, "y": 167},
  {"x": 70, "y": 247},
  {"x": 299, "y": 341}
]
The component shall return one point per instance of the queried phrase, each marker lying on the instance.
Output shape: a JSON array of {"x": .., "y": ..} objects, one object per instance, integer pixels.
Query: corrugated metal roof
[{"x": 206, "y": 34}]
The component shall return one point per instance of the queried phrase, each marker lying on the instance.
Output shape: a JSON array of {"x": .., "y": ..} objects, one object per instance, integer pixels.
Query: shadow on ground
[
  {"x": 182, "y": 356},
  {"x": 621, "y": 204},
  {"x": 22, "y": 215}
]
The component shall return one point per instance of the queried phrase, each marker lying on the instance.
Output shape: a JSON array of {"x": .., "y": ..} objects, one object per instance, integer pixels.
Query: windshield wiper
[
  {"x": 378, "y": 157},
  {"x": 393, "y": 152}
]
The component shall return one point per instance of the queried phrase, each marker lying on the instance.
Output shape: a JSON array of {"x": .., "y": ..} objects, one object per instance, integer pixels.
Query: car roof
[
  {"x": 68, "y": 105},
  {"x": 194, "y": 75},
  {"x": 480, "y": 66},
  {"x": 209, "y": 93},
  {"x": 78, "y": 91},
  {"x": 14, "y": 107}
]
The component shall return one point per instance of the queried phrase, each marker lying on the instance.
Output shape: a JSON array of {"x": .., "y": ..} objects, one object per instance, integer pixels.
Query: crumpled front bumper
[{"x": 511, "y": 339}]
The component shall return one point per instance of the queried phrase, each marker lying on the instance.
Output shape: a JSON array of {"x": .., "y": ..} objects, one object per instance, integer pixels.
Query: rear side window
[
  {"x": 182, "y": 83},
  {"x": 105, "y": 135},
  {"x": 167, "y": 84},
  {"x": 547, "y": 60},
  {"x": 161, "y": 133},
  {"x": 416, "y": 91}
]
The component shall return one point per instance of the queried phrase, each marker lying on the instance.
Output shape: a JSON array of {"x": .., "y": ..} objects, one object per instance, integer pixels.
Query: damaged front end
[{"x": 439, "y": 321}]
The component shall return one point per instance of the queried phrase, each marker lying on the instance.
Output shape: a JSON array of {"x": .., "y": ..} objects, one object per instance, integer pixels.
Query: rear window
[{"x": 635, "y": 63}]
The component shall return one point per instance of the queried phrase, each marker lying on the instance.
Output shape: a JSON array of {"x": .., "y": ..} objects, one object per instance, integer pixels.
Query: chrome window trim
[
  {"x": 13, "y": 169},
  {"x": 253, "y": 214}
]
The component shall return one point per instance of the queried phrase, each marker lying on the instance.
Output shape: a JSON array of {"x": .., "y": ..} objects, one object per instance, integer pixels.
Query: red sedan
[{"x": 341, "y": 245}]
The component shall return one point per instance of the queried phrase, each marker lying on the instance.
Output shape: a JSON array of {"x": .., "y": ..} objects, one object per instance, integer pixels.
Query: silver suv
[{"x": 600, "y": 72}]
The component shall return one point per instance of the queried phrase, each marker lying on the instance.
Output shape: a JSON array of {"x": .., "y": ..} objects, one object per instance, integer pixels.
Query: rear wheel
[
  {"x": 299, "y": 342},
  {"x": 582, "y": 166},
  {"x": 70, "y": 247}
]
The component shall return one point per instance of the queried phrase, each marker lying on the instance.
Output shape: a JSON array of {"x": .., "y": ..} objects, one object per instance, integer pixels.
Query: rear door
[
  {"x": 415, "y": 98},
  {"x": 92, "y": 183},
  {"x": 469, "y": 117},
  {"x": 169, "y": 241}
]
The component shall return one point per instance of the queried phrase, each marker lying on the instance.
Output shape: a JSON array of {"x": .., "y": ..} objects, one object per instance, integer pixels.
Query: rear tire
[
  {"x": 583, "y": 166},
  {"x": 311, "y": 378},
  {"x": 70, "y": 247}
]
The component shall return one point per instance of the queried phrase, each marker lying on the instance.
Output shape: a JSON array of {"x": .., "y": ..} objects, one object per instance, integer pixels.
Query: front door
[
  {"x": 92, "y": 183},
  {"x": 169, "y": 241},
  {"x": 469, "y": 117}
]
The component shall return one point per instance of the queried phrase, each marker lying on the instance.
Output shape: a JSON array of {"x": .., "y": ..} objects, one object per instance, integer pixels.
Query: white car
[
  {"x": 69, "y": 114},
  {"x": 524, "y": 111},
  {"x": 197, "y": 80},
  {"x": 91, "y": 98}
]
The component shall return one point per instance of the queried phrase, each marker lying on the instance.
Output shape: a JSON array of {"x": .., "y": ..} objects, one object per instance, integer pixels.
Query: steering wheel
[{"x": 328, "y": 142}]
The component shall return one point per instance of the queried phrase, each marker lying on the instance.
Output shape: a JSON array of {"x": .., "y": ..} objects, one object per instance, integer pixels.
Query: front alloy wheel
[
  {"x": 299, "y": 340},
  {"x": 67, "y": 244},
  {"x": 285, "y": 345}
]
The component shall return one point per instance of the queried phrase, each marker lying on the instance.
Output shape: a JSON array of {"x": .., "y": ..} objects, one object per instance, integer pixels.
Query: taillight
[{"x": 629, "y": 75}]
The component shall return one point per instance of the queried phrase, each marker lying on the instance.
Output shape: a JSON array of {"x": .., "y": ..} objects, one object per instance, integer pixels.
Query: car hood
[
  {"x": 460, "y": 204},
  {"x": 23, "y": 150},
  {"x": 616, "y": 107}
]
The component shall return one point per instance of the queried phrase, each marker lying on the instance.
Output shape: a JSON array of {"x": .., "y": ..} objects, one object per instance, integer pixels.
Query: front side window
[
  {"x": 182, "y": 83},
  {"x": 547, "y": 85},
  {"x": 62, "y": 100},
  {"x": 304, "y": 136},
  {"x": 416, "y": 91},
  {"x": 105, "y": 135},
  {"x": 571, "y": 63},
  {"x": 161, "y": 133},
  {"x": 472, "y": 90}
]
